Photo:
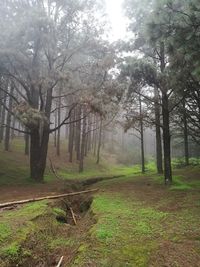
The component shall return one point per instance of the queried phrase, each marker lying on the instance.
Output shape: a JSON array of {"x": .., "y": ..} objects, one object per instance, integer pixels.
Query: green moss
[
  {"x": 58, "y": 211},
  {"x": 5, "y": 231},
  {"x": 11, "y": 251},
  {"x": 17, "y": 225},
  {"x": 123, "y": 232},
  {"x": 28, "y": 211},
  {"x": 179, "y": 183}
]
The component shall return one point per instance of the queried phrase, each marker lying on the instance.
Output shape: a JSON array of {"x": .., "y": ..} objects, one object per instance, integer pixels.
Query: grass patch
[
  {"x": 179, "y": 184},
  {"x": 16, "y": 225},
  {"x": 5, "y": 231},
  {"x": 11, "y": 251},
  {"x": 122, "y": 227},
  {"x": 30, "y": 233}
]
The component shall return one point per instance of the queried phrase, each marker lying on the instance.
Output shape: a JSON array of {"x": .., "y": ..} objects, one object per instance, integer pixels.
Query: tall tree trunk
[
  {"x": 56, "y": 124},
  {"x": 12, "y": 130},
  {"x": 86, "y": 143},
  {"x": 78, "y": 132},
  {"x": 95, "y": 136},
  {"x": 71, "y": 139},
  {"x": 166, "y": 140},
  {"x": 186, "y": 146},
  {"x": 99, "y": 141},
  {"x": 142, "y": 135},
  {"x": 166, "y": 126},
  {"x": 89, "y": 133},
  {"x": 59, "y": 121},
  {"x": 8, "y": 121},
  {"x": 82, "y": 142},
  {"x": 39, "y": 138},
  {"x": 159, "y": 161},
  {"x": 3, "y": 116}
]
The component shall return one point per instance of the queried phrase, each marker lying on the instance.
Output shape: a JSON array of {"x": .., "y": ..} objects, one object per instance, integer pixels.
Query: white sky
[{"x": 118, "y": 21}]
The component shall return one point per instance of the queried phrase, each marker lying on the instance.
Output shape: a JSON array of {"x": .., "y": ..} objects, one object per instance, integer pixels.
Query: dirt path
[{"x": 18, "y": 192}]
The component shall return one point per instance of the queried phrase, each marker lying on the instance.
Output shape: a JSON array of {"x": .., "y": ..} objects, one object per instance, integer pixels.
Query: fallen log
[{"x": 8, "y": 204}]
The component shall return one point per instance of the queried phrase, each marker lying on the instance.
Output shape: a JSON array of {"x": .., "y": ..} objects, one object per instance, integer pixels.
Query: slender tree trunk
[
  {"x": 166, "y": 140},
  {"x": 86, "y": 144},
  {"x": 55, "y": 133},
  {"x": 3, "y": 115},
  {"x": 2, "y": 95},
  {"x": 78, "y": 133},
  {"x": 99, "y": 141},
  {"x": 89, "y": 134},
  {"x": 103, "y": 139},
  {"x": 82, "y": 143},
  {"x": 8, "y": 121},
  {"x": 159, "y": 161},
  {"x": 186, "y": 146},
  {"x": 59, "y": 120},
  {"x": 1, "y": 106},
  {"x": 166, "y": 125},
  {"x": 71, "y": 140},
  {"x": 12, "y": 130},
  {"x": 95, "y": 136},
  {"x": 142, "y": 136}
]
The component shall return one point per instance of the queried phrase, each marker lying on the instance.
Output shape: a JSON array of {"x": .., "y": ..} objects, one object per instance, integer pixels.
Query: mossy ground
[
  {"x": 139, "y": 222},
  {"x": 30, "y": 235}
]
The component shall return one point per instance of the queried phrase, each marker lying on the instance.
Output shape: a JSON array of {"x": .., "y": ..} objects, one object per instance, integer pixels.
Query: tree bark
[
  {"x": 99, "y": 142},
  {"x": 12, "y": 130},
  {"x": 3, "y": 115},
  {"x": 166, "y": 127},
  {"x": 8, "y": 121},
  {"x": 78, "y": 133},
  {"x": 71, "y": 139},
  {"x": 56, "y": 124},
  {"x": 166, "y": 140},
  {"x": 186, "y": 145},
  {"x": 95, "y": 136},
  {"x": 82, "y": 142},
  {"x": 142, "y": 135},
  {"x": 159, "y": 161},
  {"x": 59, "y": 120},
  {"x": 38, "y": 153},
  {"x": 39, "y": 139}
]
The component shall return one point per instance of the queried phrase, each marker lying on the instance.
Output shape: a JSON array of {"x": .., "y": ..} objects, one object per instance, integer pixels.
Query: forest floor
[{"x": 132, "y": 221}]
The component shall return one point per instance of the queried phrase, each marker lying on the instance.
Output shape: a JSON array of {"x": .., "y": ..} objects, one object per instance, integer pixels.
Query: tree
[{"x": 52, "y": 34}]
